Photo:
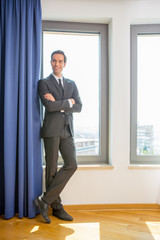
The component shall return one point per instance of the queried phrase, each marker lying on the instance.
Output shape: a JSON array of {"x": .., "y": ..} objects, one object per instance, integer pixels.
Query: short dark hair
[{"x": 59, "y": 52}]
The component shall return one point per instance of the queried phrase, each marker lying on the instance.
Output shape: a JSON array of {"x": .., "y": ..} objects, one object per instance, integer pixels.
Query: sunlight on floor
[
  {"x": 85, "y": 231},
  {"x": 34, "y": 229},
  {"x": 153, "y": 226}
]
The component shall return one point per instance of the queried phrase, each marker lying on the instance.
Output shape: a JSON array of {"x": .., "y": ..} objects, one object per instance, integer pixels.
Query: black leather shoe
[
  {"x": 43, "y": 208},
  {"x": 62, "y": 214}
]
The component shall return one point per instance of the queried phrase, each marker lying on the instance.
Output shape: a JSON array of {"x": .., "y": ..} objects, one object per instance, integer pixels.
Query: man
[{"x": 60, "y": 98}]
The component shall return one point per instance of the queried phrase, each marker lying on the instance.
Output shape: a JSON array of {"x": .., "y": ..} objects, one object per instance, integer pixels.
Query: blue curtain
[{"x": 20, "y": 145}]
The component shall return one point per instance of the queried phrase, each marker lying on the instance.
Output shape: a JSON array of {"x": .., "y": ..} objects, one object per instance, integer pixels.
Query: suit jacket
[{"x": 54, "y": 119}]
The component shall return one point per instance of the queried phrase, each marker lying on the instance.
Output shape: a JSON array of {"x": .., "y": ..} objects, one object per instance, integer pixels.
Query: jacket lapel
[
  {"x": 66, "y": 87},
  {"x": 55, "y": 83}
]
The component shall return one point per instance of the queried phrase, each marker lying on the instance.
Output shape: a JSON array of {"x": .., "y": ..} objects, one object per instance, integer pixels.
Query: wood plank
[{"x": 98, "y": 224}]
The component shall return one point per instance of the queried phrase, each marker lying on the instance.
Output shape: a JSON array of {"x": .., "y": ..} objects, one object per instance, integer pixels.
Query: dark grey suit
[{"x": 57, "y": 131}]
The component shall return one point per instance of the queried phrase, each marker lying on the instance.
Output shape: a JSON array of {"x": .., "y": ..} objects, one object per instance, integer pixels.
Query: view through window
[
  {"x": 83, "y": 56},
  {"x": 148, "y": 94}
]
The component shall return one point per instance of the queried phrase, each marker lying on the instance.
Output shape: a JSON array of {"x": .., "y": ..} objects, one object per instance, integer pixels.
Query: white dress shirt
[{"x": 61, "y": 78}]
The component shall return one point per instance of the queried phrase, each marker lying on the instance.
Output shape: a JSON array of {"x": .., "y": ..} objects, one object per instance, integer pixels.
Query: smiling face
[{"x": 58, "y": 64}]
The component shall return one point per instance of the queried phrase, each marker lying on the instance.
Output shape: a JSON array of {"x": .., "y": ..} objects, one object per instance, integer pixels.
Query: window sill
[
  {"x": 94, "y": 167},
  {"x": 90, "y": 167},
  {"x": 144, "y": 166}
]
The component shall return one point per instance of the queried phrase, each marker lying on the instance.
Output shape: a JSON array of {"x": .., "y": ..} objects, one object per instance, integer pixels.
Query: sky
[
  {"x": 149, "y": 79},
  {"x": 82, "y": 51}
]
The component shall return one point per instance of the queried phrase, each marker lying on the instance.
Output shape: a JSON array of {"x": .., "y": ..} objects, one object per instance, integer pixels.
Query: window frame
[
  {"x": 102, "y": 29},
  {"x": 135, "y": 30}
]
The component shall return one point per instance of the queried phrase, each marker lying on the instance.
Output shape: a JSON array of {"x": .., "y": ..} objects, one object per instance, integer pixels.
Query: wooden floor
[{"x": 110, "y": 224}]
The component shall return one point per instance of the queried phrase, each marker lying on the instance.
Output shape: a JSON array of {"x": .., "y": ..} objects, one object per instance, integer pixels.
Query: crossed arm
[
  {"x": 50, "y": 97},
  {"x": 51, "y": 104}
]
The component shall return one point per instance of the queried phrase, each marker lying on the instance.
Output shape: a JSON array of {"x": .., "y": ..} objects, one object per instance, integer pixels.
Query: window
[
  {"x": 85, "y": 46},
  {"x": 145, "y": 97}
]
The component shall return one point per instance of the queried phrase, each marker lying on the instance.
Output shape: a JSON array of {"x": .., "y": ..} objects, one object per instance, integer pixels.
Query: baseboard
[{"x": 109, "y": 207}]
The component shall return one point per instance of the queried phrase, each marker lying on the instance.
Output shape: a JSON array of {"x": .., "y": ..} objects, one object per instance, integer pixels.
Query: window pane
[
  {"x": 82, "y": 51},
  {"x": 148, "y": 84}
]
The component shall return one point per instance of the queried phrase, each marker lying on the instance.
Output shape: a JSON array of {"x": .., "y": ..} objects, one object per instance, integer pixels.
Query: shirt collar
[{"x": 58, "y": 77}]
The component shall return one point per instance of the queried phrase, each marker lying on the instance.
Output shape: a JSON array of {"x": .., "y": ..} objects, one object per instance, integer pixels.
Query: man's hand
[
  {"x": 50, "y": 97},
  {"x": 72, "y": 100}
]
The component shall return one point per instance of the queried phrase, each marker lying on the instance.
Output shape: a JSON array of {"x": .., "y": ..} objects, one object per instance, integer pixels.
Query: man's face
[{"x": 58, "y": 64}]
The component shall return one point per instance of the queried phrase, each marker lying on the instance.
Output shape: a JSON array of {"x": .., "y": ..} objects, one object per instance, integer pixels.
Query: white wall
[{"x": 120, "y": 184}]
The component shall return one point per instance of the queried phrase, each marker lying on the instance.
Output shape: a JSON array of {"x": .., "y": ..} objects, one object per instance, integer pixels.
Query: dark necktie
[{"x": 60, "y": 84}]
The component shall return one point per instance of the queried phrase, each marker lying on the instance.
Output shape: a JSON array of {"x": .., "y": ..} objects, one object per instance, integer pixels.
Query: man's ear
[{"x": 65, "y": 64}]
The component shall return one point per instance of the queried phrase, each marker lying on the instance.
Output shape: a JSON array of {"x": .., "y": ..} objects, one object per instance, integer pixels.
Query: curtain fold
[{"x": 20, "y": 144}]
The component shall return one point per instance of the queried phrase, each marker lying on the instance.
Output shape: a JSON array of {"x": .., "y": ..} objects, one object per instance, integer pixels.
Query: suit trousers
[{"x": 56, "y": 180}]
